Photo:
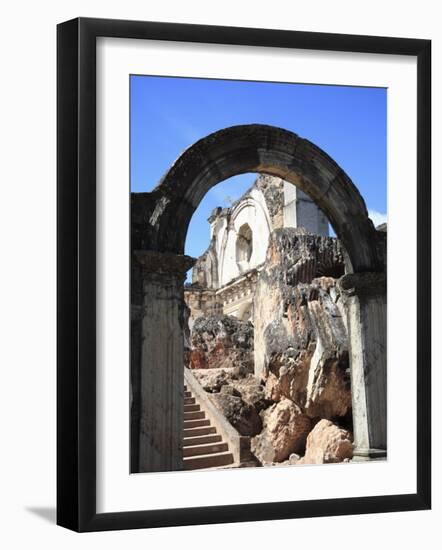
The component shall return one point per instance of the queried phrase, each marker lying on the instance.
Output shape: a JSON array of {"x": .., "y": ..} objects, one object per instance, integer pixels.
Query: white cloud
[{"x": 377, "y": 217}]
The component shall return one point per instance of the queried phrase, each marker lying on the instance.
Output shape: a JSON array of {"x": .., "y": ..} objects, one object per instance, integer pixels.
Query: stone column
[
  {"x": 366, "y": 305},
  {"x": 161, "y": 371}
]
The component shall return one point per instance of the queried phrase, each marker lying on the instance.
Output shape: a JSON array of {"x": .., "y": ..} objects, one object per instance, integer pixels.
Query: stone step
[
  {"x": 196, "y": 432},
  {"x": 207, "y": 461},
  {"x": 187, "y": 394},
  {"x": 195, "y": 423},
  {"x": 210, "y": 448},
  {"x": 201, "y": 439},
  {"x": 196, "y": 415},
  {"x": 191, "y": 407},
  {"x": 189, "y": 401}
]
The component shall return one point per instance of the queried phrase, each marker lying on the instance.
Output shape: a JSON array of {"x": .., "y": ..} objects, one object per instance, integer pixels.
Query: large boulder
[
  {"x": 327, "y": 443},
  {"x": 245, "y": 384},
  {"x": 252, "y": 392},
  {"x": 301, "y": 342},
  {"x": 240, "y": 414},
  {"x": 221, "y": 341},
  {"x": 212, "y": 380},
  {"x": 284, "y": 432},
  {"x": 306, "y": 352}
]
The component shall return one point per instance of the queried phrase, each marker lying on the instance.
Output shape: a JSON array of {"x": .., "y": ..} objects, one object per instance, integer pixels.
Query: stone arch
[
  {"x": 160, "y": 221},
  {"x": 261, "y": 149}
]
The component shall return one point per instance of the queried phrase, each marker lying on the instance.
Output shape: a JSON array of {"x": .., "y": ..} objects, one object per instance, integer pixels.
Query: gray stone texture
[
  {"x": 366, "y": 307},
  {"x": 159, "y": 396}
]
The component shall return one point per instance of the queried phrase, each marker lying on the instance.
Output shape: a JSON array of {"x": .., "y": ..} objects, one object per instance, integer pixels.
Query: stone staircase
[{"x": 203, "y": 447}]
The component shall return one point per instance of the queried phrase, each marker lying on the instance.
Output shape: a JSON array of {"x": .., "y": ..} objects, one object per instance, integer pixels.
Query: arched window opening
[{"x": 244, "y": 247}]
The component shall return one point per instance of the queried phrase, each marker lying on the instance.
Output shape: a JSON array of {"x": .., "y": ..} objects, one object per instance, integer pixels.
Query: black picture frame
[{"x": 76, "y": 274}]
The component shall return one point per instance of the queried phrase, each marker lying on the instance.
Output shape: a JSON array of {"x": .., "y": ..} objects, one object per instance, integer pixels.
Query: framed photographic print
[{"x": 235, "y": 206}]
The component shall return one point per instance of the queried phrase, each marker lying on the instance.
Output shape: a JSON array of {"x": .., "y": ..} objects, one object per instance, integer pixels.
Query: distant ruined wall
[
  {"x": 223, "y": 278},
  {"x": 271, "y": 203}
]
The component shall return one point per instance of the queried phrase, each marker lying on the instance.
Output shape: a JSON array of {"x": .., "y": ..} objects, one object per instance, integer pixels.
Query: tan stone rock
[
  {"x": 212, "y": 380},
  {"x": 328, "y": 387},
  {"x": 290, "y": 379},
  {"x": 327, "y": 443},
  {"x": 284, "y": 432}
]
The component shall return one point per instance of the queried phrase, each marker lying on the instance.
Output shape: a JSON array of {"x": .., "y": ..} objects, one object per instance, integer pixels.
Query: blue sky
[{"x": 169, "y": 114}]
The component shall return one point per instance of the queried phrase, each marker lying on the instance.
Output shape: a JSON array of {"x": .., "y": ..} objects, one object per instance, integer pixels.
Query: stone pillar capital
[
  {"x": 163, "y": 263},
  {"x": 367, "y": 283}
]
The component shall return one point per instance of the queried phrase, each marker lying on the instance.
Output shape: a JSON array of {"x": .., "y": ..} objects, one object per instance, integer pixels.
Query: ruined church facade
[{"x": 224, "y": 277}]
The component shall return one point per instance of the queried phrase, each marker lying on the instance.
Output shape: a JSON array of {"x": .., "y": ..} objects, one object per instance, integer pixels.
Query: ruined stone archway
[
  {"x": 261, "y": 149},
  {"x": 159, "y": 226}
]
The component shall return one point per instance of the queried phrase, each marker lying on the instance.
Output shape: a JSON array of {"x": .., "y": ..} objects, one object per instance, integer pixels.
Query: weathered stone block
[
  {"x": 240, "y": 414},
  {"x": 284, "y": 432},
  {"x": 301, "y": 342},
  {"x": 327, "y": 443}
]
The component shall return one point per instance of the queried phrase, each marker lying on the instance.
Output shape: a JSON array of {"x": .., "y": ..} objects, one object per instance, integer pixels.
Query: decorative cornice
[{"x": 193, "y": 291}]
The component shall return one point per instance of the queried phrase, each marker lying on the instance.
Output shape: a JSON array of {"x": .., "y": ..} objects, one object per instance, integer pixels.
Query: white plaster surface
[{"x": 252, "y": 211}]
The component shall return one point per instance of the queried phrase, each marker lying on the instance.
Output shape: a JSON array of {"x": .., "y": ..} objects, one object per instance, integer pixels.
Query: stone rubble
[
  {"x": 284, "y": 381},
  {"x": 221, "y": 341},
  {"x": 242, "y": 415}
]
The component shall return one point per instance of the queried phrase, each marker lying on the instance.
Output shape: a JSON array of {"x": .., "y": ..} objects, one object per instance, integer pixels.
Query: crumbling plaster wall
[{"x": 251, "y": 210}]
